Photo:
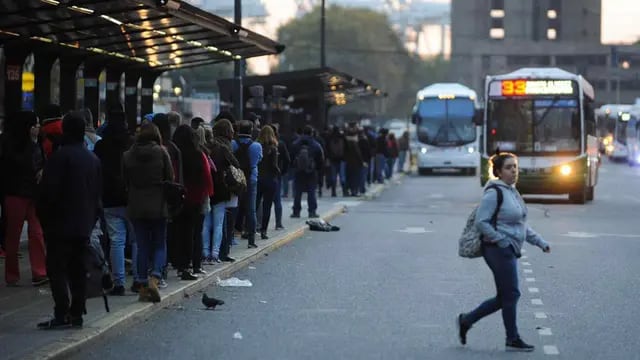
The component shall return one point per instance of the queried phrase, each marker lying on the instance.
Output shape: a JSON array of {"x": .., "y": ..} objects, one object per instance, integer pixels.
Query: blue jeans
[
  {"x": 363, "y": 179},
  {"x": 402, "y": 158},
  {"x": 247, "y": 209},
  {"x": 207, "y": 234},
  {"x": 381, "y": 164},
  {"x": 337, "y": 171},
  {"x": 503, "y": 264},
  {"x": 218, "y": 227},
  {"x": 151, "y": 235},
  {"x": 120, "y": 229},
  {"x": 391, "y": 162},
  {"x": 309, "y": 185},
  {"x": 277, "y": 202}
]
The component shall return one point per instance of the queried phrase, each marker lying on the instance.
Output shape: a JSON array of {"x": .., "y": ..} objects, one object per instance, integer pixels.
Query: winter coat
[{"x": 110, "y": 151}]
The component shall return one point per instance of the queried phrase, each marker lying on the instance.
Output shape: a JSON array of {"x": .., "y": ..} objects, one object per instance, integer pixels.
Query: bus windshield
[
  {"x": 621, "y": 132},
  {"x": 446, "y": 122},
  {"x": 526, "y": 126}
]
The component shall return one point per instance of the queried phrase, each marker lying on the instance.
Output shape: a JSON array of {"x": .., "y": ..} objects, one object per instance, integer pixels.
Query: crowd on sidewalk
[{"x": 172, "y": 192}]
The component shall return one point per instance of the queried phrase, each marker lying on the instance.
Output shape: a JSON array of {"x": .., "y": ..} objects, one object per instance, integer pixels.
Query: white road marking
[
  {"x": 536, "y": 301},
  {"x": 530, "y": 279},
  {"x": 551, "y": 350},
  {"x": 586, "y": 235},
  {"x": 540, "y": 315},
  {"x": 533, "y": 290},
  {"x": 528, "y": 271},
  {"x": 526, "y": 264},
  {"x": 415, "y": 230},
  {"x": 545, "y": 332}
]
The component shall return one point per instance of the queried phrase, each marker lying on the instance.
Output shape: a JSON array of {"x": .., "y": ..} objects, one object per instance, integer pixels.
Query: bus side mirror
[
  {"x": 414, "y": 118},
  {"x": 478, "y": 117}
]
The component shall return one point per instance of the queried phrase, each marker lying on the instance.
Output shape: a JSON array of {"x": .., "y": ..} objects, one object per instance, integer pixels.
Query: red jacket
[
  {"x": 196, "y": 194},
  {"x": 52, "y": 131}
]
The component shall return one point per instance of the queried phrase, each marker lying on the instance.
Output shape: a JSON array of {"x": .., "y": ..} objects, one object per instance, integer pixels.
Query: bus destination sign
[{"x": 531, "y": 87}]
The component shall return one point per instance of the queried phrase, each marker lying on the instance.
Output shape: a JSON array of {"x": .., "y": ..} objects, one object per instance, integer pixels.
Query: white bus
[
  {"x": 445, "y": 129},
  {"x": 632, "y": 133},
  {"x": 611, "y": 127},
  {"x": 545, "y": 116}
]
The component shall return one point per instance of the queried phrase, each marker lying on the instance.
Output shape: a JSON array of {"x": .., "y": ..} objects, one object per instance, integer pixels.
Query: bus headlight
[
  {"x": 470, "y": 150},
  {"x": 565, "y": 170},
  {"x": 423, "y": 150}
]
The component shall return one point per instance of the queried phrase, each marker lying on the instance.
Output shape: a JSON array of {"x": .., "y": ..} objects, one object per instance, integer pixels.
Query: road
[{"x": 389, "y": 284}]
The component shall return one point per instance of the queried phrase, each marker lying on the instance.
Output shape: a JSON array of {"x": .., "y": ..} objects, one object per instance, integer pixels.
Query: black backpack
[
  {"x": 336, "y": 145},
  {"x": 305, "y": 163},
  {"x": 242, "y": 154}
]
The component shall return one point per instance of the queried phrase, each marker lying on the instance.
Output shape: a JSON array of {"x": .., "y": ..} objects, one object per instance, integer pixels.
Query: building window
[
  {"x": 496, "y": 12},
  {"x": 551, "y": 34},
  {"x": 496, "y": 33}
]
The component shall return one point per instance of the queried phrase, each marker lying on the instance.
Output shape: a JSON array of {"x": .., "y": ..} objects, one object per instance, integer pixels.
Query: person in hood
[
  {"x": 51, "y": 129},
  {"x": 146, "y": 167},
  {"x": 68, "y": 207},
  {"x": 502, "y": 241}
]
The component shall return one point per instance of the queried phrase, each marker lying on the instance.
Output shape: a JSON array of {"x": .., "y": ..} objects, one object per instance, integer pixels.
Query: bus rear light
[{"x": 565, "y": 170}]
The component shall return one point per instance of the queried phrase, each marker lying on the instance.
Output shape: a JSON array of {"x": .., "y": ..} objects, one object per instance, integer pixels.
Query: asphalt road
[{"x": 389, "y": 285}]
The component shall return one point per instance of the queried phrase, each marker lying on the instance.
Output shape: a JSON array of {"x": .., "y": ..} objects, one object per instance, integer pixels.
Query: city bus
[
  {"x": 632, "y": 134},
  {"x": 546, "y": 117},
  {"x": 610, "y": 127},
  {"x": 445, "y": 129}
]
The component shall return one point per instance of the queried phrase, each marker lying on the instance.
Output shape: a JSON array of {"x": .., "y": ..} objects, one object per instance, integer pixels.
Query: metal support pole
[
  {"x": 323, "y": 30},
  {"x": 238, "y": 101}
]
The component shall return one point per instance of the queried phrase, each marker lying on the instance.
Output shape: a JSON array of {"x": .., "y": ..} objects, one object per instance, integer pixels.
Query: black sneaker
[
  {"x": 187, "y": 276},
  {"x": 54, "y": 323},
  {"x": 227, "y": 259},
  {"x": 519, "y": 345},
  {"x": 135, "y": 287},
  {"x": 117, "y": 291},
  {"x": 462, "y": 330},
  {"x": 295, "y": 215},
  {"x": 313, "y": 215},
  {"x": 38, "y": 281},
  {"x": 76, "y": 322}
]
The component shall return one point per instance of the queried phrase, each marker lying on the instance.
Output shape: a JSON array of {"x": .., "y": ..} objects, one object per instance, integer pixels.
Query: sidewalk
[{"x": 23, "y": 307}]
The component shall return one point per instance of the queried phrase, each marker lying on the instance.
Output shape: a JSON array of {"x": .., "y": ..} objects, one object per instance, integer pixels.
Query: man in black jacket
[
  {"x": 69, "y": 204},
  {"x": 307, "y": 163}
]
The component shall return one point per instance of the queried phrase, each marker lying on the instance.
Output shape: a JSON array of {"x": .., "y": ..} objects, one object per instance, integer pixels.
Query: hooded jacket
[
  {"x": 145, "y": 167},
  {"x": 511, "y": 226}
]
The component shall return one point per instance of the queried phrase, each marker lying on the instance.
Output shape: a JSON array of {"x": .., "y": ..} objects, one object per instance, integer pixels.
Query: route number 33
[{"x": 514, "y": 87}]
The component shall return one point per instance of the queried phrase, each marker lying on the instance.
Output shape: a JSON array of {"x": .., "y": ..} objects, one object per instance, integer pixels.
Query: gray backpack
[{"x": 470, "y": 242}]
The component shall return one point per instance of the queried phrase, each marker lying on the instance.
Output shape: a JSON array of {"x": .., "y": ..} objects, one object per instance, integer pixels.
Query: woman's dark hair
[
  {"x": 162, "y": 122},
  {"x": 223, "y": 128},
  {"x": 245, "y": 127},
  {"x": 186, "y": 140},
  {"x": 497, "y": 161},
  {"x": 73, "y": 127},
  {"x": 149, "y": 133}
]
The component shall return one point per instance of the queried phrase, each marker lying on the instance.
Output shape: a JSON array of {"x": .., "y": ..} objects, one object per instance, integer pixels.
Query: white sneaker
[{"x": 162, "y": 284}]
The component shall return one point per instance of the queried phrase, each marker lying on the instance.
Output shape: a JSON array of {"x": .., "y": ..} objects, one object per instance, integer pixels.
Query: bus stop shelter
[
  {"x": 138, "y": 38},
  {"x": 296, "y": 98}
]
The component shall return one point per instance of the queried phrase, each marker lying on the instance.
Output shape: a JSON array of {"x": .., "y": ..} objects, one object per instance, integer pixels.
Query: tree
[{"x": 362, "y": 43}]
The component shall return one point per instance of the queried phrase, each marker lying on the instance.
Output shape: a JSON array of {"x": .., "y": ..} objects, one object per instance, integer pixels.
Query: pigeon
[{"x": 210, "y": 303}]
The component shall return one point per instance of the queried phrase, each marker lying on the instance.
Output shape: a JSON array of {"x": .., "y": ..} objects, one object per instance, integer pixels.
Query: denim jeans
[
  {"x": 503, "y": 264},
  {"x": 120, "y": 229},
  {"x": 247, "y": 210},
  {"x": 381, "y": 164},
  {"x": 402, "y": 158},
  {"x": 308, "y": 185},
  {"x": 151, "y": 236},
  {"x": 218, "y": 227},
  {"x": 277, "y": 202},
  {"x": 207, "y": 234},
  {"x": 391, "y": 162},
  {"x": 363, "y": 179},
  {"x": 338, "y": 170}
]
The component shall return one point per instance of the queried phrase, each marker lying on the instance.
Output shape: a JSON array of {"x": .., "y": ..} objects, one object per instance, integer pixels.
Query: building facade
[{"x": 499, "y": 36}]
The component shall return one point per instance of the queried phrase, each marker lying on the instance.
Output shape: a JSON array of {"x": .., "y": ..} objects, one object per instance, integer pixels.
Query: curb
[
  {"x": 379, "y": 188},
  {"x": 140, "y": 311}
]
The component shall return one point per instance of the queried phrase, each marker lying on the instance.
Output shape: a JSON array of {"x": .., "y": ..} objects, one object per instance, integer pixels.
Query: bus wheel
[
  {"x": 578, "y": 197},
  {"x": 424, "y": 171},
  {"x": 590, "y": 191}
]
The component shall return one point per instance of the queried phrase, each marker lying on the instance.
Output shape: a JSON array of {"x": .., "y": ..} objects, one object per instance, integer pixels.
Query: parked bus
[
  {"x": 610, "y": 129},
  {"x": 632, "y": 133},
  {"x": 545, "y": 116},
  {"x": 446, "y": 132}
]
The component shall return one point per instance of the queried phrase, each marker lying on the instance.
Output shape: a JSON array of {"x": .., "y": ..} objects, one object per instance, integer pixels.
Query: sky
[{"x": 619, "y": 17}]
